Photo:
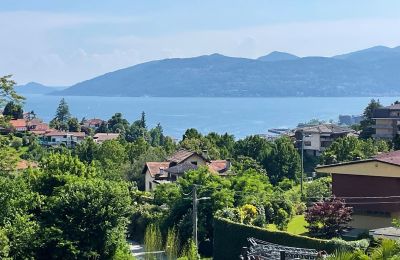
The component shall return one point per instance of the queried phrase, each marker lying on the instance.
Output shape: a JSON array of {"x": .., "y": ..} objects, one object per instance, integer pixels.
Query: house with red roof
[
  {"x": 19, "y": 125},
  {"x": 371, "y": 187},
  {"x": 56, "y": 138},
  {"x": 177, "y": 165}
]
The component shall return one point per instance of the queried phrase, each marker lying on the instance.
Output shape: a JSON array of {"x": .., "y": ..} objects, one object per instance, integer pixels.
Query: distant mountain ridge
[
  {"x": 36, "y": 88},
  {"x": 369, "y": 72}
]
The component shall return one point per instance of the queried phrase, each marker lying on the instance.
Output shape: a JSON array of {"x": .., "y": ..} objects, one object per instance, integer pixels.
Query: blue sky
[{"x": 66, "y": 41}]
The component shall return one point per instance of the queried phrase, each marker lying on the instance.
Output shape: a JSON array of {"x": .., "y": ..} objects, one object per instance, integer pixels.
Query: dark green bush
[{"x": 230, "y": 237}]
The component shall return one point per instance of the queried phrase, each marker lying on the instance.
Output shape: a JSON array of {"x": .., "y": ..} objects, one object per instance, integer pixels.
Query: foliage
[
  {"x": 248, "y": 213},
  {"x": 318, "y": 189},
  {"x": 350, "y": 148},
  {"x": 231, "y": 248},
  {"x": 152, "y": 241},
  {"x": 190, "y": 251},
  {"x": 87, "y": 218},
  {"x": 8, "y": 155},
  {"x": 254, "y": 187},
  {"x": 14, "y": 111},
  {"x": 254, "y": 147},
  {"x": 172, "y": 244},
  {"x": 283, "y": 161},
  {"x": 367, "y": 123},
  {"x": 328, "y": 218},
  {"x": 7, "y": 91},
  {"x": 60, "y": 121}
]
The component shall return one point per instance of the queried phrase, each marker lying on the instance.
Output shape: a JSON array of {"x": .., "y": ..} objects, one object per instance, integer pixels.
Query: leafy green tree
[
  {"x": 136, "y": 131},
  {"x": 351, "y": 148},
  {"x": 7, "y": 91},
  {"x": 14, "y": 111},
  {"x": 225, "y": 144},
  {"x": 4, "y": 245},
  {"x": 283, "y": 161},
  {"x": 244, "y": 163},
  {"x": 18, "y": 202},
  {"x": 152, "y": 241},
  {"x": 73, "y": 125},
  {"x": 199, "y": 145},
  {"x": 157, "y": 137},
  {"x": 60, "y": 121},
  {"x": 8, "y": 155},
  {"x": 252, "y": 187},
  {"x": 112, "y": 157},
  {"x": 191, "y": 134},
  {"x": 318, "y": 189},
  {"x": 254, "y": 147},
  {"x": 167, "y": 194},
  {"x": 172, "y": 244},
  {"x": 118, "y": 124},
  {"x": 86, "y": 219},
  {"x": 87, "y": 150},
  {"x": 367, "y": 123}
]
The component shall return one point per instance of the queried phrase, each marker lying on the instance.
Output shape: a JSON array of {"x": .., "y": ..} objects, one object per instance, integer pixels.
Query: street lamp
[
  {"x": 195, "y": 201},
  {"x": 302, "y": 160}
]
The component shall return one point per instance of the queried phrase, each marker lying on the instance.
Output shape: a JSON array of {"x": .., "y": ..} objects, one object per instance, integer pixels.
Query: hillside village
[{"x": 319, "y": 180}]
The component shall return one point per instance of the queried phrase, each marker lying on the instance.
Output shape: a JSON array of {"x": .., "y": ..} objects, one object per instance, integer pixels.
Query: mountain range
[
  {"x": 36, "y": 88},
  {"x": 369, "y": 72}
]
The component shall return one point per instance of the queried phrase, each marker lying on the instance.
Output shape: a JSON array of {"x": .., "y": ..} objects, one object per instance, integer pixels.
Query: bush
[{"x": 231, "y": 248}]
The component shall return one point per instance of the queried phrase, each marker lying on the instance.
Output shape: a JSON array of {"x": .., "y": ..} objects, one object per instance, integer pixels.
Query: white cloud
[{"x": 30, "y": 51}]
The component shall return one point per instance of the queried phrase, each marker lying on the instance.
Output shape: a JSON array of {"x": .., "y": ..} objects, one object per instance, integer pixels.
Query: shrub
[{"x": 231, "y": 248}]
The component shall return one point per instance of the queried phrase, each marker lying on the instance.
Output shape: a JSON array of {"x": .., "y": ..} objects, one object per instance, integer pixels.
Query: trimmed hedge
[{"x": 230, "y": 237}]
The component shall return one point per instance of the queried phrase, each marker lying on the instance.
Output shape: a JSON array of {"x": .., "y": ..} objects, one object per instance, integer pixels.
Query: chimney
[{"x": 205, "y": 154}]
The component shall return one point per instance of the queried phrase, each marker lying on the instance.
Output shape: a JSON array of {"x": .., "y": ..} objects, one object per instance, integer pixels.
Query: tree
[
  {"x": 254, "y": 147},
  {"x": 87, "y": 150},
  {"x": 8, "y": 155},
  {"x": 60, "y": 121},
  {"x": 351, "y": 148},
  {"x": 328, "y": 218},
  {"x": 283, "y": 161},
  {"x": 136, "y": 131},
  {"x": 367, "y": 123},
  {"x": 86, "y": 219},
  {"x": 191, "y": 133},
  {"x": 7, "y": 91},
  {"x": 14, "y": 111},
  {"x": 157, "y": 137},
  {"x": 73, "y": 125},
  {"x": 8, "y": 94},
  {"x": 117, "y": 123}
]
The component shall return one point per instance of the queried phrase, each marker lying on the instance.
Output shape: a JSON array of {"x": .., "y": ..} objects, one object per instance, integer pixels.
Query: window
[
  {"x": 194, "y": 162},
  {"x": 150, "y": 185},
  {"x": 307, "y": 143}
]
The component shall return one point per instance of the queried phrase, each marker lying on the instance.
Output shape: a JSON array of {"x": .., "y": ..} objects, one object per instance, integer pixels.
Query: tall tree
[
  {"x": 60, "y": 121},
  {"x": 367, "y": 123},
  {"x": 7, "y": 94},
  {"x": 283, "y": 161},
  {"x": 14, "y": 111}
]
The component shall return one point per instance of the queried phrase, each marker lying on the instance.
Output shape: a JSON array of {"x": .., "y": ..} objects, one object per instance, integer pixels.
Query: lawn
[{"x": 297, "y": 225}]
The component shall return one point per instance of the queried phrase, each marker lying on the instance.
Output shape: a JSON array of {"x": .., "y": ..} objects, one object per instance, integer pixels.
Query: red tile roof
[
  {"x": 23, "y": 164},
  {"x": 18, "y": 123},
  {"x": 391, "y": 157},
  {"x": 182, "y": 155},
  {"x": 154, "y": 167},
  {"x": 218, "y": 165}
]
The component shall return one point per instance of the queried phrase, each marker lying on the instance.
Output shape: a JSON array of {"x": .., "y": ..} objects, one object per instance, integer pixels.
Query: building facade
[
  {"x": 387, "y": 122},
  {"x": 371, "y": 187},
  {"x": 319, "y": 137}
]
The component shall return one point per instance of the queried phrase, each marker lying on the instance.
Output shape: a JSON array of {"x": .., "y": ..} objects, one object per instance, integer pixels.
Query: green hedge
[{"x": 230, "y": 237}]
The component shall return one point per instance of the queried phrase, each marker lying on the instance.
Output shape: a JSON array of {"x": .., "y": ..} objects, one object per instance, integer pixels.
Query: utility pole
[
  {"x": 194, "y": 216},
  {"x": 302, "y": 164}
]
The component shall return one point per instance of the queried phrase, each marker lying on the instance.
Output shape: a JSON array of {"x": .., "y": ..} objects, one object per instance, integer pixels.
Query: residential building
[
  {"x": 37, "y": 126},
  {"x": 56, "y": 138},
  {"x": 101, "y": 137},
  {"x": 387, "y": 122},
  {"x": 19, "y": 125},
  {"x": 371, "y": 187},
  {"x": 93, "y": 123},
  {"x": 318, "y": 138},
  {"x": 177, "y": 165}
]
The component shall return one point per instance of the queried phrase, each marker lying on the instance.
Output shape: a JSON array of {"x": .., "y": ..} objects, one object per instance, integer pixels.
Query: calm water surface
[{"x": 238, "y": 116}]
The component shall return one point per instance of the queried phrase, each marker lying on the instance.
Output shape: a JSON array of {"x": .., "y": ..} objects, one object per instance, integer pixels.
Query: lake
[{"x": 238, "y": 116}]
